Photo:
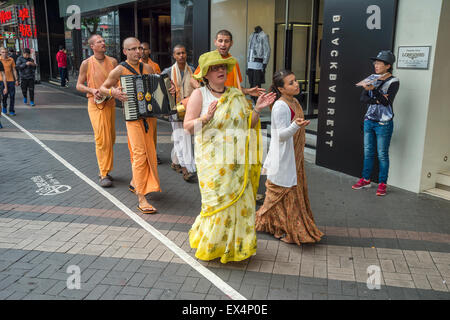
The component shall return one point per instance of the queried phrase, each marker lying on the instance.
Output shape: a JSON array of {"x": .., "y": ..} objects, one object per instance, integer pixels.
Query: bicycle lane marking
[{"x": 205, "y": 272}]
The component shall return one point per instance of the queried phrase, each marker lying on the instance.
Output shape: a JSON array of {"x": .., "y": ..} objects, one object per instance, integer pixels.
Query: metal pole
[
  {"x": 286, "y": 36},
  {"x": 135, "y": 21},
  {"x": 312, "y": 57},
  {"x": 48, "y": 40}
]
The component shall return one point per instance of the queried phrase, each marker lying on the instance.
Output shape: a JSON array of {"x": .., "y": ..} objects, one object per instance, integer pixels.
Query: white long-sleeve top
[{"x": 280, "y": 160}]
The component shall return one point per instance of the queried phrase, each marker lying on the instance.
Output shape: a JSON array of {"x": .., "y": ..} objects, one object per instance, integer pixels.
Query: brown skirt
[{"x": 286, "y": 215}]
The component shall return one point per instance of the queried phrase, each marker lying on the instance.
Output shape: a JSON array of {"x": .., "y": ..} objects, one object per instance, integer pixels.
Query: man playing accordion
[{"x": 140, "y": 135}]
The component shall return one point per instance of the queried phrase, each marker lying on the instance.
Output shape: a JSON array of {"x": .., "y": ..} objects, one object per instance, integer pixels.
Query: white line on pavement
[{"x": 213, "y": 278}]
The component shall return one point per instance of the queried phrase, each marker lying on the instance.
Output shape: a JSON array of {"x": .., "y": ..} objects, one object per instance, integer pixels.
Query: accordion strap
[{"x": 131, "y": 69}]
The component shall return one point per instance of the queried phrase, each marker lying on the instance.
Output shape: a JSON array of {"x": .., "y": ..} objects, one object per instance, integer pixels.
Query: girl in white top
[{"x": 286, "y": 212}]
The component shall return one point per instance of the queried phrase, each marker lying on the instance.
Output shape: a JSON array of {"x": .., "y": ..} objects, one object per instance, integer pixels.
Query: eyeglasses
[
  {"x": 135, "y": 49},
  {"x": 218, "y": 67}
]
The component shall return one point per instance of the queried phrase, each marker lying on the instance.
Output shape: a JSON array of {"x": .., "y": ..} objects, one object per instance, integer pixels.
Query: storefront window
[
  {"x": 76, "y": 41},
  {"x": 181, "y": 20},
  {"x": 288, "y": 25},
  {"x": 18, "y": 30}
]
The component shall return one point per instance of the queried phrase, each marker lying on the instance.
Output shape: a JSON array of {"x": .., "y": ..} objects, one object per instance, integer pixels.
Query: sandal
[
  {"x": 188, "y": 177},
  {"x": 149, "y": 210},
  {"x": 132, "y": 189},
  {"x": 175, "y": 167}
]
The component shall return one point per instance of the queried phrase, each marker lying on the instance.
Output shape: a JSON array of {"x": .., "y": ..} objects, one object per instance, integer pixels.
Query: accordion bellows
[{"x": 148, "y": 96}]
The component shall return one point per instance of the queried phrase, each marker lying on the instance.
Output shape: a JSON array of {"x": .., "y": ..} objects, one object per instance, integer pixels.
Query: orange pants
[
  {"x": 103, "y": 120},
  {"x": 143, "y": 157}
]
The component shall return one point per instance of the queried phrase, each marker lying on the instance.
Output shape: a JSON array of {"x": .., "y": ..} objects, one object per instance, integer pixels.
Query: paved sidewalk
[{"x": 43, "y": 232}]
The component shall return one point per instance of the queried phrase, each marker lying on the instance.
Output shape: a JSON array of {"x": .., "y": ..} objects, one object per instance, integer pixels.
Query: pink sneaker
[
  {"x": 362, "y": 183},
  {"x": 381, "y": 191}
]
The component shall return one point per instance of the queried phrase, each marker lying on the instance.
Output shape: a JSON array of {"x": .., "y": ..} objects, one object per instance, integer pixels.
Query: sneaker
[
  {"x": 381, "y": 191},
  {"x": 25, "y": 100},
  {"x": 32, "y": 104},
  {"x": 362, "y": 183},
  {"x": 4, "y": 110},
  {"x": 105, "y": 182},
  {"x": 11, "y": 113}
]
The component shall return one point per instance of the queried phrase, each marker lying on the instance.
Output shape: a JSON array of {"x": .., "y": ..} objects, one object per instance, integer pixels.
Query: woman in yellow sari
[{"x": 227, "y": 155}]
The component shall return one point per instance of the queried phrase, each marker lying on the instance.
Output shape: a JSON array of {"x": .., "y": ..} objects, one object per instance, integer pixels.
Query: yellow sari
[{"x": 228, "y": 158}]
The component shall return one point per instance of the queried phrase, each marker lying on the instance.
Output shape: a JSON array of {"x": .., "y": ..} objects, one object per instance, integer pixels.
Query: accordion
[{"x": 148, "y": 96}]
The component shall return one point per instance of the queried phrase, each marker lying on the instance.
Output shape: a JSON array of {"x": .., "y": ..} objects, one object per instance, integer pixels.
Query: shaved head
[
  {"x": 145, "y": 45},
  {"x": 92, "y": 39},
  {"x": 130, "y": 42}
]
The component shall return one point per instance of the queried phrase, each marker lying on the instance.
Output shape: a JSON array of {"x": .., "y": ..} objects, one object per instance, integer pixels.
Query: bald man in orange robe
[
  {"x": 140, "y": 135},
  {"x": 94, "y": 71}
]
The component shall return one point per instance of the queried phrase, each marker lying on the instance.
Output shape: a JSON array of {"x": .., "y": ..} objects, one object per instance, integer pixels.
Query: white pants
[{"x": 182, "y": 152}]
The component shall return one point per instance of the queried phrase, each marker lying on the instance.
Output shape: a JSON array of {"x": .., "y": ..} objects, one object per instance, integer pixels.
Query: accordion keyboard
[{"x": 130, "y": 107}]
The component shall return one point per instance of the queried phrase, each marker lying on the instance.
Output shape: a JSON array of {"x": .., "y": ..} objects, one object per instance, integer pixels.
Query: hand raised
[
  {"x": 265, "y": 100},
  {"x": 302, "y": 122},
  {"x": 211, "y": 110}
]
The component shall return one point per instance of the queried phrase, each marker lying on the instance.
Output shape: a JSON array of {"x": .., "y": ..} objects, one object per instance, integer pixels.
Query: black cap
[{"x": 385, "y": 56}]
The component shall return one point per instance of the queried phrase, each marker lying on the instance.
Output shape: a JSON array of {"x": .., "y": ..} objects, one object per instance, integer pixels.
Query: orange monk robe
[
  {"x": 234, "y": 78},
  {"x": 102, "y": 116},
  {"x": 152, "y": 64},
  {"x": 152, "y": 121},
  {"x": 142, "y": 153}
]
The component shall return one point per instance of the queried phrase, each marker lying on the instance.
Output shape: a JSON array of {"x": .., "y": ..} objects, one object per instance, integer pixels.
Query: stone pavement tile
[
  {"x": 257, "y": 278},
  {"x": 149, "y": 280},
  {"x": 437, "y": 283},
  {"x": 155, "y": 294},
  {"x": 399, "y": 283},
  {"x": 282, "y": 294},
  {"x": 277, "y": 281},
  {"x": 190, "y": 296},
  {"x": 260, "y": 293},
  {"x": 57, "y": 288},
  {"x": 387, "y": 266},
  {"x": 74, "y": 293},
  {"x": 311, "y": 288},
  {"x": 203, "y": 286},
  {"x": 421, "y": 281},
  {"x": 17, "y": 295},
  {"x": 104, "y": 263},
  {"x": 334, "y": 287},
  {"x": 246, "y": 290},
  {"x": 134, "y": 291},
  {"x": 168, "y": 294},
  {"x": 189, "y": 284},
  {"x": 111, "y": 292},
  {"x": 97, "y": 292},
  {"x": 136, "y": 279},
  {"x": 286, "y": 268}
]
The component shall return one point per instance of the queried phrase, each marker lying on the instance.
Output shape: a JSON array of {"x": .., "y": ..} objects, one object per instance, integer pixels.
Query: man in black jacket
[{"x": 27, "y": 68}]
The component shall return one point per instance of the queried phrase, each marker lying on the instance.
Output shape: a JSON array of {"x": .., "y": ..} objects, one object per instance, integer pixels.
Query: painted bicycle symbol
[{"x": 49, "y": 186}]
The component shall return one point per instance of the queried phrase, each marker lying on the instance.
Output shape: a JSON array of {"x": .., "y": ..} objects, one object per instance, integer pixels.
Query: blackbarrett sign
[
  {"x": 353, "y": 31},
  {"x": 413, "y": 57}
]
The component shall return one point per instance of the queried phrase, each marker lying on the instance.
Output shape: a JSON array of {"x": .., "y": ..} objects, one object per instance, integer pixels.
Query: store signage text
[
  {"x": 5, "y": 16},
  {"x": 333, "y": 77}
]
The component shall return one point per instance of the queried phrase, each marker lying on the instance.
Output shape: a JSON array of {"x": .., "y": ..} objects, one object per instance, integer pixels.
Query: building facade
[{"x": 302, "y": 36}]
